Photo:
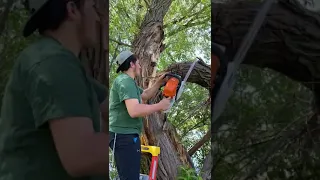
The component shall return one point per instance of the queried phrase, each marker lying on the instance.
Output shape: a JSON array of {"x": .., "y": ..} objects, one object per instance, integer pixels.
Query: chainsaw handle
[
  {"x": 173, "y": 75},
  {"x": 170, "y": 75}
]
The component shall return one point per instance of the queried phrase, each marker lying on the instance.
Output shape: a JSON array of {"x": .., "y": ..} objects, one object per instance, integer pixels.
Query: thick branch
[
  {"x": 201, "y": 74},
  {"x": 288, "y": 42}
]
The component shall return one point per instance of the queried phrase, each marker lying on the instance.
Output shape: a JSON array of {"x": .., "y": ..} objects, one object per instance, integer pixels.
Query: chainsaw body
[{"x": 172, "y": 86}]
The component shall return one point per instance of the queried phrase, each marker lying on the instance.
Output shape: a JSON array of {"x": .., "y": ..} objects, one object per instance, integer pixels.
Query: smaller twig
[
  {"x": 114, "y": 56},
  {"x": 120, "y": 43},
  {"x": 194, "y": 110},
  {"x": 147, "y": 4}
]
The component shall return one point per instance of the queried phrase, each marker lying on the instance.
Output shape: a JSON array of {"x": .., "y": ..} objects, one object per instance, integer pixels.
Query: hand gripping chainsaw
[{"x": 174, "y": 87}]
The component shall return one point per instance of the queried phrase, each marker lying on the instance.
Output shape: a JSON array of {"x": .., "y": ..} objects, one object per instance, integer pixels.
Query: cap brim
[
  {"x": 33, "y": 22},
  {"x": 118, "y": 69},
  {"x": 30, "y": 26}
]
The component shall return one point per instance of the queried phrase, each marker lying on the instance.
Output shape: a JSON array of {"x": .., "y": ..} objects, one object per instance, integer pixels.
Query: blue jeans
[{"x": 127, "y": 155}]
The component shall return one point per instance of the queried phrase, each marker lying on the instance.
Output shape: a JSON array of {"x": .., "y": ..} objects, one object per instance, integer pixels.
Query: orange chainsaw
[{"x": 174, "y": 87}]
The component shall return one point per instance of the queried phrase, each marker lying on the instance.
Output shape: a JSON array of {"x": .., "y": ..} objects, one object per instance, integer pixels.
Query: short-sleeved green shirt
[
  {"x": 47, "y": 82},
  {"x": 124, "y": 87}
]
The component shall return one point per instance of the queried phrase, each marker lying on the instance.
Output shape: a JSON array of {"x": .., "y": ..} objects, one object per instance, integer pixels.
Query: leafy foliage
[
  {"x": 264, "y": 109},
  {"x": 186, "y": 173}
]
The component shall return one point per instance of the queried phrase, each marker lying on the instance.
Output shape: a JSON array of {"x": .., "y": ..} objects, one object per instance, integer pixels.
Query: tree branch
[
  {"x": 188, "y": 25},
  {"x": 120, "y": 43},
  {"x": 199, "y": 144},
  {"x": 200, "y": 75},
  {"x": 192, "y": 16},
  {"x": 206, "y": 102}
]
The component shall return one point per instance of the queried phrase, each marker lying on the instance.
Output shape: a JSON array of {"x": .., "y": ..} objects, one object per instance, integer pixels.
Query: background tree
[
  {"x": 269, "y": 129},
  {"x": 167, "y": 36}
]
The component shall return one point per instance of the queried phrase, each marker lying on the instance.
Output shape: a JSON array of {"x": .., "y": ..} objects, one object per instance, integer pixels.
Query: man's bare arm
[
  {"x": 140, "y": 110},
  {"x": 150, "y": 92},
  {"x": 82, "y": 151},
  {"x": 104, "y": 109}
]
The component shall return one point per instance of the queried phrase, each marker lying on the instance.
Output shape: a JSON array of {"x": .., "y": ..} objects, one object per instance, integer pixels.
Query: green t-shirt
[
  {"x": 47, "y": 82},
  {"x": 123, "y": 87}
]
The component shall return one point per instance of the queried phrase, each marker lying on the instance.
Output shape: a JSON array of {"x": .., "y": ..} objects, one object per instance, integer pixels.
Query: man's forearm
[
  {"x": 150, "y": 92},
  {"x": 104, "y": 109},
  {"x": 142, "y": 110},
  {"x": 96, "y": 160}
]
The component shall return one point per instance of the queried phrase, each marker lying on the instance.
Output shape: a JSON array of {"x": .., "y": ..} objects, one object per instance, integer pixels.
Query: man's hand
[
  {"x": 162, "y": 79},
  {"x": 150, "y": 92},
  {"x": 165, "y": 103}
]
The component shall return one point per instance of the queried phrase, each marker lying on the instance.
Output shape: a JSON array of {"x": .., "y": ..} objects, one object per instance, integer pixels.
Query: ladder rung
[{"x": 154, "y": 150}]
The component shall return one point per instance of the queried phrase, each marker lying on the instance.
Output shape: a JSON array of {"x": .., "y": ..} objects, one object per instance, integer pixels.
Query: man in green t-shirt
[
  {"x": 50, "y": 116},
  {"x": 126, "y": 109}
]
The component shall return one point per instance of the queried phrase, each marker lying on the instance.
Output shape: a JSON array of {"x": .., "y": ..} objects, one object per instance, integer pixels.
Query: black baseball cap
[
  {"x": 122, "y": 57},
  {"x": 35, "y": 6}
]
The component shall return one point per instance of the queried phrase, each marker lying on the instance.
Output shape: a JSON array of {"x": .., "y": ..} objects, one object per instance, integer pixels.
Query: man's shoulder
[
  {"x": 124, "y": 79},
  {"x": 42, "y": 50}
]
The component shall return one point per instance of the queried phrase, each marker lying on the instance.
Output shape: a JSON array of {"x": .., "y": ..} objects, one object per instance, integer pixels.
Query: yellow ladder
[{"x": 154, "y": 151}]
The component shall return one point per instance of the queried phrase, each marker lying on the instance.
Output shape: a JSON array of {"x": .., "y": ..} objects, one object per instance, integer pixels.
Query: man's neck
[
  {"x": 67, "y": 40},
  {"x": 131, "y": 74}
]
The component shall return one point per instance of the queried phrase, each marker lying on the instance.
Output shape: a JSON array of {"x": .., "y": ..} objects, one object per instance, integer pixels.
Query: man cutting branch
[{"x": 126, "y": 110}]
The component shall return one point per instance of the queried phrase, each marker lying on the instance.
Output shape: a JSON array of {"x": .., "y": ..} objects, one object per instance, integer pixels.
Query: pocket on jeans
[{"x": 124, "y": 140}]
